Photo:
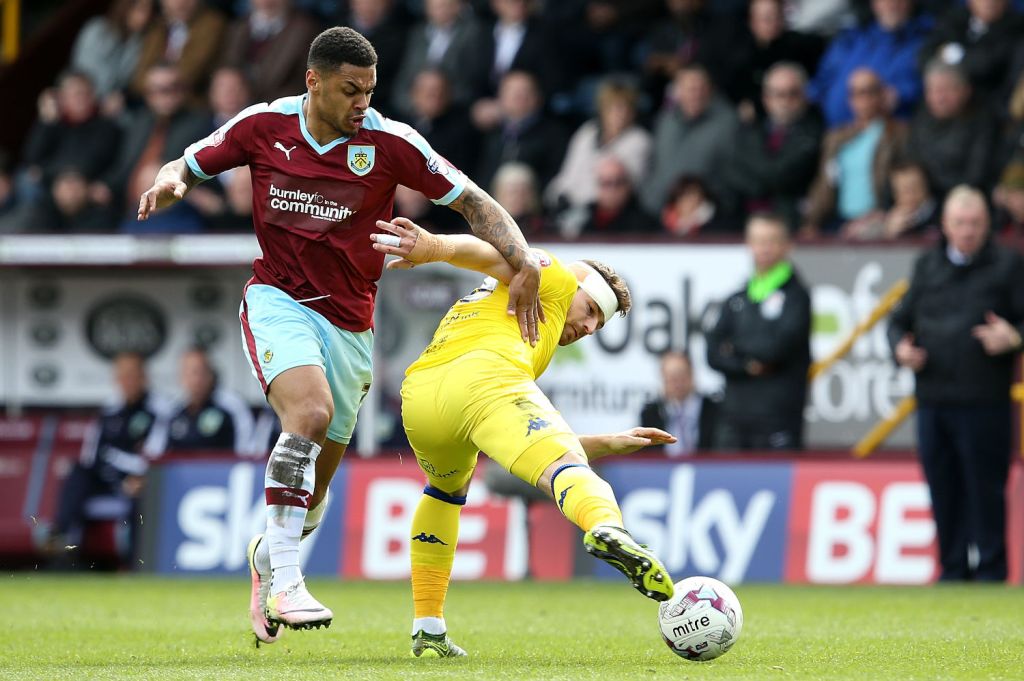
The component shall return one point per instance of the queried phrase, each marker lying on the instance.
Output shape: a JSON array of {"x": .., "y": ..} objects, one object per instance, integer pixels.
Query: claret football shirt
[{"x": 314, "y": 206}]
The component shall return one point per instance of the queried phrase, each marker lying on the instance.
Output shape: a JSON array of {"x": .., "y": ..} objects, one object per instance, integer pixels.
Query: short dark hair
[{"x": 340, "y": 45}]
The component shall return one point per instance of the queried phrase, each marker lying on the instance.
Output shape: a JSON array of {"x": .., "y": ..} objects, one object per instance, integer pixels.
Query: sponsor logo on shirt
[{"x": 314, "y": 204}]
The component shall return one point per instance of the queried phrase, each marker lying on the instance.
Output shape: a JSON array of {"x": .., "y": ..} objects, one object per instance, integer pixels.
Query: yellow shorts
[{"x": 480, "y": 402}]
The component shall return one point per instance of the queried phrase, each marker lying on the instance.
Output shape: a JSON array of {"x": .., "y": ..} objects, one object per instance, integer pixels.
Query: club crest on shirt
[{"x": 361, "y": 158}]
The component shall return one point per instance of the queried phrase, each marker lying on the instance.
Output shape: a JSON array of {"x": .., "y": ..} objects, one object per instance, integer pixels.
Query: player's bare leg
[
  {"x": 434, "y": 536},
  {"x": 301, "y": 397},
  {"x": 589, "y": 502}
]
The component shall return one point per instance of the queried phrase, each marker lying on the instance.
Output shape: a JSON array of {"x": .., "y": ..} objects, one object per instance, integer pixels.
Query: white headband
[{"x": 598, "y": 289}]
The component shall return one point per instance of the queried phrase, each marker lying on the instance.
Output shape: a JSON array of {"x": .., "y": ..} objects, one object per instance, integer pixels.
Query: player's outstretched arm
[
  {"x": 416, "y": 246},
  {"x": 626, "y": 442},
  {"x": 171, "y": 184},
  {"x": 493, "y": 224}
]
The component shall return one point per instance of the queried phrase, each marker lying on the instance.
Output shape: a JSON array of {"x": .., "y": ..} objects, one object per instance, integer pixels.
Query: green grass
[{"x": 71, "y": 628}]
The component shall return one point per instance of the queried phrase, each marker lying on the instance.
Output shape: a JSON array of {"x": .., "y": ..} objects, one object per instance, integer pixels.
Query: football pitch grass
[{"x": 67, "y": 628}]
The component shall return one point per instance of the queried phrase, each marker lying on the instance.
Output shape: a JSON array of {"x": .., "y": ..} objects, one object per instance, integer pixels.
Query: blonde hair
[{"x": 617, "y": 284}]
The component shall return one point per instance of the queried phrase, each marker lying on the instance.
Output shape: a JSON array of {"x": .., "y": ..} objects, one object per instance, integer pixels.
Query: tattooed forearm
[{"x": 493, "y": 224}]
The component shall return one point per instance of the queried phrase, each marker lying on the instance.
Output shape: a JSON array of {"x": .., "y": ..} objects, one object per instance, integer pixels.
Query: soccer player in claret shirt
[
  {"x": 324, "y": 167},
  {"x": 473, "y": 390}
]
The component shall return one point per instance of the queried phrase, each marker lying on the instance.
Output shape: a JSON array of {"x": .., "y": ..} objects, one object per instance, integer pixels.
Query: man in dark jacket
[
  {"x": 680, "y": 409},
  {"x": 958, "y": 329},
  {"x": 760, "y": 340}
]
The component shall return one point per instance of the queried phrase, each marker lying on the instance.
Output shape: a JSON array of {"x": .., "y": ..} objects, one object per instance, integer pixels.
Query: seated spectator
[
  {"x": 914, "y": 211},
  {"x": 377, "y": 20},
  {"x": 208, "y": 418},
  {"x": 229, "y": 93},
  {"x": 952, "y": 136},
  {"x": 270, "y": 44},
  {"x": 740, "y": 64},
  {"x": 515, "y": 41},
  {"x": 114, "y": 460},
  {"x": 444, "y": 124},
  {"x": 855, "y": 159},
  {"x": 979, "y": 38},
  {"x": 188, "y": 35},
  {"x": 523, "y": 134},
  {"x": 615, "y": 209},
  {"x": 614, "y": 132},
  {"x": 153, "y": 135},
  {"x": 1008, "y": 199},
  {"x": 1011, "y": 143},
  {"x": 515, "y": 188},
  {"x": 675, "y": 43},
  {"x": 692, "y": 211},
  {"x": 225, "y": 204},
  {"x": 107, "y": 49},
  {"x": 692, "y": 136},
  {"x": 68, "y": 209},
  {"x": 680, "y": 410},
  {"x": 775, "y": 158},
  {"x": 69, "y": 131},
  {"x": 446, "y": 39},
  {"x": 888, "y": 46}
]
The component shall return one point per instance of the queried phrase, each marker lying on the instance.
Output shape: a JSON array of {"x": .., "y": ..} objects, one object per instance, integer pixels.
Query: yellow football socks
[
  {"x": 584, "y": 498},
  {"x": 435, "y": 533}
]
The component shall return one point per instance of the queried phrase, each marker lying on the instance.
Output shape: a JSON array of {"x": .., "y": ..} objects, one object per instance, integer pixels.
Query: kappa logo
[
  {"x": 561, "y": 497},
  {"x": 287, "y": 152},
  {"x": 429, "y": 539},
  {"x": 361, "y": 158},
  {"x": 536, "y": 423}
]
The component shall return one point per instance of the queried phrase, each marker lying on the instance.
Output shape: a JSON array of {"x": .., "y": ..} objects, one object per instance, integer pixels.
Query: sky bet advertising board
[{"x": 822, "y": 522}]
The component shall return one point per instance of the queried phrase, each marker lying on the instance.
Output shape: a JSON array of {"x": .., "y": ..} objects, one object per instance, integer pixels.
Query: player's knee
[
  {"x": 309, "y": 418},
  {"x": 570, "y": 458}
]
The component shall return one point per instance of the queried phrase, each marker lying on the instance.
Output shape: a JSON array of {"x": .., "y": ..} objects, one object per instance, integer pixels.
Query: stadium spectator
[
  {"x": 959, "y": 329},
  {"x": 888, "y": 46},
  {"x": 515, "y": 41},
  {"x": 676, "y": 42},
  {"x": 230, "y": 92},
  {"x": 69, "y": 131},
  {"x": 207, "y": 418},
  {"x": 692, "y": 136},
  {"x": 613, "y": 132},
  {"x": 269, "y": 44},
  {"x": 914, "y": 210},
  {"x": 952, "y": 136},
  {"x": 225, "y": 204},
  {"x": 153, "y": 135},
  {"x": 1012, "y": 140},
  {"x": 775, "y": 158},
  {"x": 980, "y": 38},
  {"x": 615, "y": 209},
  {"x": 680, "y": 409},
  {"x": 443, "y": 123},
  {"x": 109, "y": 476},
  {"x": 68, "y": 208},
  {"x": 523, "y": 133},
  {"x": 855, "y": 159},
  {"x": 1008, "y": 199},
  {"x": 759, "y": 339},
  {"x": 107, "y": 49},
  {"x": 187, "y": 34},
  {"x": 739, "y": 65},
  {"x": 515, "y": 188},
  {"x": 447, "y": 39},
  {"x": 378, "y": 21},
  {"x": 691, "y": 210}
]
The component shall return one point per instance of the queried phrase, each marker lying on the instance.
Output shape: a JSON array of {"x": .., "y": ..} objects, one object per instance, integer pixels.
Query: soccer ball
[{"x": 702, "y": 620}]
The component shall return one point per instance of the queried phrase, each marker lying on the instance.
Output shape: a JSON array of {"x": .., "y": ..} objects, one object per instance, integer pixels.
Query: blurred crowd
[{"x": 678, "y": 118}]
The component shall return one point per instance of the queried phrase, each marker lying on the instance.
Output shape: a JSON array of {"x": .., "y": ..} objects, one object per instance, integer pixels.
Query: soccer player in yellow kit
[{"x": 472, "y": 390}]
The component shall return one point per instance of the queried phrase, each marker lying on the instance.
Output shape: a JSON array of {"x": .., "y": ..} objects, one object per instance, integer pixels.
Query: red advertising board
[{"x": 860, "y": 522}]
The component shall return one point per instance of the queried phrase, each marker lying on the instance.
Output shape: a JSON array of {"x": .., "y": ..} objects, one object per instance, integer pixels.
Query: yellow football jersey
[{"x": 480, "y": 322}]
